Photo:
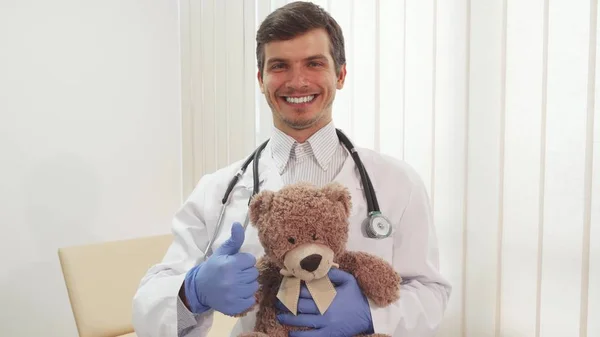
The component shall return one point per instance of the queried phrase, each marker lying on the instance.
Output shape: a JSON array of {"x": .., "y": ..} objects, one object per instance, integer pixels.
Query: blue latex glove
[
  {"x": 226, "y": 281},
  {"x": 348, "y": 315}
]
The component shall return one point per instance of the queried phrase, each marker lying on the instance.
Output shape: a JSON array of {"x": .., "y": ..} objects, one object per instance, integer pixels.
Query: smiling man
[
  {"x": 301, "y": 65},
  {"x": 300, "y": 68}
]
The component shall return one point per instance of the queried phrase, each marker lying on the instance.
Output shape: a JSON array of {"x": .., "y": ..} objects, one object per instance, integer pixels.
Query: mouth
[{"x": 300, "y": 101}]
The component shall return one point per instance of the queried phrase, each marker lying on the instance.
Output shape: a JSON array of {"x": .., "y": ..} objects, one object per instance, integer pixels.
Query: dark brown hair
[{"x": 297, "y": 18}]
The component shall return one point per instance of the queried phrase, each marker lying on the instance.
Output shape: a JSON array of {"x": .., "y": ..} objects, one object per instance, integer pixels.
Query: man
[{"x": 301, "y": 64}]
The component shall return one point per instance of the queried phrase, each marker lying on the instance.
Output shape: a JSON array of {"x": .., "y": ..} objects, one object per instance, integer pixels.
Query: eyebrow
[
  {"x": 310, "y": 58},
  {"x": 317, "y": 57}
]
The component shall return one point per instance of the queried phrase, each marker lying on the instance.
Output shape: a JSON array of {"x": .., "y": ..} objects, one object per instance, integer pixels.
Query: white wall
[{"x": 89, "y": 141}]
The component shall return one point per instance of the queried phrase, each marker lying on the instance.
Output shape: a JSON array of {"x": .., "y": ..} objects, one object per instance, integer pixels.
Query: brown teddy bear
[{"x": 304, "y": 230}]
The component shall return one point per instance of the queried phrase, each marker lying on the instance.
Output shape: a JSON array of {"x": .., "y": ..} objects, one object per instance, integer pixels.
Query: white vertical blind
[
  {"x": 264, "y": 118},
  {"x": 248, "y": 125},
  {"x": 494, "y": 103},
  {"x": 391, "y": 82},
  {"x": 590, "y": 297},
  {"x": 363, "y": 54},
  {"x": 484, "y": 167},
  {"x": 451, "y": 132},
  {"x": 525, "y": 73},
  {"x": 418, "y": 92},
  {"x": 593, "y": 325},
  {"x": 563, "y": 204},
  {"x": 218, "y": 83},
  {"x": 594, "y": 208},
  {"x": 342, "y": 104}
]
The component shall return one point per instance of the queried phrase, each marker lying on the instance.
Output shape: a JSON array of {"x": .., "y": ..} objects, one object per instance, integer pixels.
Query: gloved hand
[
  {"x": 226, "y": 281},
  {"x": 348, "y": 315}
]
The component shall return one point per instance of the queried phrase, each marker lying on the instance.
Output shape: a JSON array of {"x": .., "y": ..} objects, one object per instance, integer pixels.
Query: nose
[
  {"x": 311, "y": 262},
  {"x": 297, "y": 80}
]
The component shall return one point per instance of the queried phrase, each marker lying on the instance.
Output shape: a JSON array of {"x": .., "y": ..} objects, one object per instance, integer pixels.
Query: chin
[
  {"x": 301, "y": 120},
  {"x": 301, "y": 125}
]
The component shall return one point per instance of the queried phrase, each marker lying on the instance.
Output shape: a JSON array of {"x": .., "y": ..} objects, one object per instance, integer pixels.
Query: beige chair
[{"x": 101, "y": 280}]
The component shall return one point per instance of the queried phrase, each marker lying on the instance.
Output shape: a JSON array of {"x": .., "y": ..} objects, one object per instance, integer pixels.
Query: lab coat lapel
[{"x": 269, "y": 178}]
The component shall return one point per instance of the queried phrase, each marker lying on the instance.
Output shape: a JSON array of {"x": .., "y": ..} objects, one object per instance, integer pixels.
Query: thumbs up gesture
[{"x": 226, "y": 281}]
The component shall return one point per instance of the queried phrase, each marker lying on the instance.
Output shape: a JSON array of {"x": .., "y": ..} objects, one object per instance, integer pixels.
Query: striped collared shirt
[{"x": 317, "y": 161}]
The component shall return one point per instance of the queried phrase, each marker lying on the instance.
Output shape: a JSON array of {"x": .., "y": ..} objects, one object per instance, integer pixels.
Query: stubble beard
[{"x": 300, "y": 124}]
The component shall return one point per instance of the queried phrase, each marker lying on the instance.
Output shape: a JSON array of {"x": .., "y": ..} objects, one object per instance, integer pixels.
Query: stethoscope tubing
[{"x": 372, "y": 204}]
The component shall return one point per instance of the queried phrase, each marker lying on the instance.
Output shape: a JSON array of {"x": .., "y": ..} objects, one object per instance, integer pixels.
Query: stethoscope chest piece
[{"x": 377, "y": 226}]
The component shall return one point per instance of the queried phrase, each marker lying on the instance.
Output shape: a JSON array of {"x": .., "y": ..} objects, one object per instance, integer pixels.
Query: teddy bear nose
[{"x": 311, "y": 262}]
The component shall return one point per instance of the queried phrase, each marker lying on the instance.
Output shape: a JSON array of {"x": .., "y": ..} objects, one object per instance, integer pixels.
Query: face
[{"x": 299, "y": 81}]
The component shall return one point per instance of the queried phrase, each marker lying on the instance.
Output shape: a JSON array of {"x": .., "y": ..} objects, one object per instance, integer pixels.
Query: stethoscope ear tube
[
  {"x": 232, "y": 183},
  {"x": 372, "y": 191},
  {"x": 376, "y": 225},
  {"x": 372, "y": 203},
  {"x": 255, "y": 177},
  {"x": 238, "y": 175}
]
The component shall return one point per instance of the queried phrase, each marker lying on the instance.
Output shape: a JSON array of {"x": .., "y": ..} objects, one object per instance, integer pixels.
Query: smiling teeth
[{"x": 298, "y": 100}]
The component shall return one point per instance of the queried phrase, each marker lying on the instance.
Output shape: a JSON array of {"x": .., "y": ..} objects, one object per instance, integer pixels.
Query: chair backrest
[{"x": 102, "y": 279}]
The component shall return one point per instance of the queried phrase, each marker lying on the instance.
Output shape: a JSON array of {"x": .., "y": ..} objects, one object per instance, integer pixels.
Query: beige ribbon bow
[{"x": 321, "y": 290}]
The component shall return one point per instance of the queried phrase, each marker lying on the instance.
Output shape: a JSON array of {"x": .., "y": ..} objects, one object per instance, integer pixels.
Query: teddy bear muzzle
[{"x": 308, "y": 261}]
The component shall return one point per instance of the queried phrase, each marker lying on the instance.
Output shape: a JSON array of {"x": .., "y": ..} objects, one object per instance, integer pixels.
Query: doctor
[{"x": 301, "y": 64}]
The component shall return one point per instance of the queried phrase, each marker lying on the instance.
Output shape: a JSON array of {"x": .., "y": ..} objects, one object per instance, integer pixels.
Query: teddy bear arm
[
  {"x": 267, "y": 323},
  {"x": 266, "y": 320},
  {"x": 269, "y": 279},
  {"x": 376, "y": 277},
  {"x": 267, "y": 276}
]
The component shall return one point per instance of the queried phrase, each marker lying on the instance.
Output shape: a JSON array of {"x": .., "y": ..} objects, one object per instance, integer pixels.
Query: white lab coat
[{"x": 412, "y": 248}]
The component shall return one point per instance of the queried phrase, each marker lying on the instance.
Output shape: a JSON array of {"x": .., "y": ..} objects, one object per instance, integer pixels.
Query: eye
[
  {"x": 314, "y": 236},
  {"x": 277, "y": 66},
  {"x": 291, "y": 240}
]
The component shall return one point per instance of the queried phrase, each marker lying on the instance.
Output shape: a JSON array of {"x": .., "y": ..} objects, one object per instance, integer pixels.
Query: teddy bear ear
[
  {"x": 259, "y": 205},
  {"x": 336, "y": 192}
]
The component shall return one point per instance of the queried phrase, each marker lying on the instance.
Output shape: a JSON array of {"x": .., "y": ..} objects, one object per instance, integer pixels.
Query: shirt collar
[{"x": 322, "y": 143}]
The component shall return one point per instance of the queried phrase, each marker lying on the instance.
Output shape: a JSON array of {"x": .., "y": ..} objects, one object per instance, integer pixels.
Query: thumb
[
  {"x": 338, "y": 276},
  {"x": 234, "y": 243}
]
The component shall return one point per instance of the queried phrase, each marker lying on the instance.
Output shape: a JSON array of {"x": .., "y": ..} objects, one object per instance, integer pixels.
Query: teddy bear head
[{"x": 302, "y": 228}]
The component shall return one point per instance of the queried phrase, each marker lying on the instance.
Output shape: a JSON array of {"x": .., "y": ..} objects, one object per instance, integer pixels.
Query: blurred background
[{"x": 110, "y": 112}]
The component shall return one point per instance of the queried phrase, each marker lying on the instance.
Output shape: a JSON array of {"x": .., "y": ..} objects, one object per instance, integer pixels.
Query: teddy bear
[{"x": 304, "y": 230}]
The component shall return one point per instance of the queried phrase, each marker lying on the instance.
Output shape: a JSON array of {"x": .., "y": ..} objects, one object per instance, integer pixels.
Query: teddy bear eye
[
  {"x": 291, "y": 240},
  {"x": 314, "y": 236}
]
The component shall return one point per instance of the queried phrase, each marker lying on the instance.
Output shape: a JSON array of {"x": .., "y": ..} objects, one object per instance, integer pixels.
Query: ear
[
  {"x": 260, "y": 205},
  {"x": 341, "y": 77},
  {"x": 337, "y": 193},
  {"x": 260, "y": 81}
]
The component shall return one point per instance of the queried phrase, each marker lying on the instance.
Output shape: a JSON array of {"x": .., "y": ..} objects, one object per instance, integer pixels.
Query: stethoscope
[{"x": 375, "y": 226}]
